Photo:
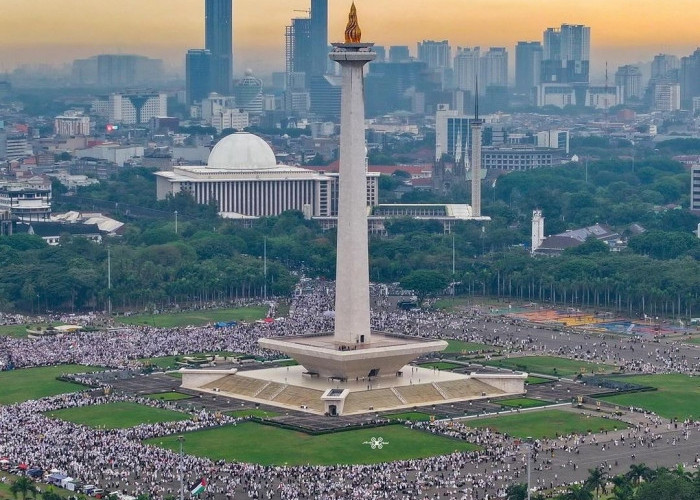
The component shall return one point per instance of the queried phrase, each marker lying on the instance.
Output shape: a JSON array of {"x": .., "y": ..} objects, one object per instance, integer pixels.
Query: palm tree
[
  {"x": 622, "y": 489},
  {"x": 596, "y": 480},
  {"x": 516, "y": 492},
  {"x": 24, "y": 486},
  {"x": 638, "y": 472},
  {"x": 577, "y": 492}
]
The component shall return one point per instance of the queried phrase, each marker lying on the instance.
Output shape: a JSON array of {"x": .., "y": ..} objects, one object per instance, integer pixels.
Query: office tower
[
  {"x": 117, "y": 70},
  {"x": 690, "y": 79},
  {"x": 437, "y": 55},
  {"x": 528, "y": 66},
  {"x": 298, "y": 47},
  {"x": 248, "y": 93},
  {"x": 381, "y": 53},
  {"x": 493, "y": 68},
  {"x": 452, "y": 134},
  {"x": 71, "y": 123},
  {"x": 197, "y": 75},
  {"x": 388, "y": 85},
  {"x": 399, "y": 53},
  {"x": 566, "y": 54},
  {"x": 319, "y": 37},
  {"x": 219, "y": 41},
  {"x": 466, "y": 68},
  {"x": 695, "y": 190},
  {"x": 667, "y": 97},
  {"x": 137, "y": 108},
  {"x": 664, "y": 66},
  {"x": 630, "y": 79}
]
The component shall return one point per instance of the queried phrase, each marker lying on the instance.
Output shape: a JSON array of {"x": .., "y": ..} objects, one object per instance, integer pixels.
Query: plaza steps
[
  {"x": 419, "y": 394},
  {"x": 466, "y": 389},
  {"x": 393, "y": 389},
  {"x": 300, "y": 396},
  {"x": 376, "y": 399},
  {"x": 271, "y": 390},
  {"x": 235, "y": 384}
]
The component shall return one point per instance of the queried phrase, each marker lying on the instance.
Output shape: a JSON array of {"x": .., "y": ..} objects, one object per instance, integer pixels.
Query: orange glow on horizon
[{"x": 50, "y": 31}]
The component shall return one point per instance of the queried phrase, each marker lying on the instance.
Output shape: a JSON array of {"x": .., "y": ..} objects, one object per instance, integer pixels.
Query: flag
[{"x": 198, "y": 487}]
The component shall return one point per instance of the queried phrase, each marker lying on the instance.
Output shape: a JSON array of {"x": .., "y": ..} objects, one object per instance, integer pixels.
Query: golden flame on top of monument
[{"x": 353, "y": 33}]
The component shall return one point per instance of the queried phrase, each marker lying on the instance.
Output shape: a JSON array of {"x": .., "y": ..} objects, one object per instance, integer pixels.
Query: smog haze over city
[{"x": 55, "y": 32}]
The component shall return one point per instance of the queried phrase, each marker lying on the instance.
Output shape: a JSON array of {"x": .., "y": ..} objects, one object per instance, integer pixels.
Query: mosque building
[{"x": 243, "y": 178}]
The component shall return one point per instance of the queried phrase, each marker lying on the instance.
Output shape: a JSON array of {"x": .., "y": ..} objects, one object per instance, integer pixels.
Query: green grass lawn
[
  {"x": 546, "y": 424},
  {"x": 118, "y": 415},
  {"x": 677, "y": 395},
  {"x": 521, "y": 402},
  {"x": 441, "y": 365},
  {"x": 460, "y": 346},
  {"x": 255, "y": 443},
  {"x": 531, "y": 380},
  {"x": 252, "y": 412},
  {"x": 550, "y": 365},
  {"x": 168, "y": 396},
  {"x": 13, "y": 330},
  {"x": 413, "y": 416},
  {"x": 288, "y": 362},
  {"x": 20, "y": 331},
  {"x": 5, "y": 493},
  {"x": 196, "y": 318},
  {"x": 34, "y": 383}
]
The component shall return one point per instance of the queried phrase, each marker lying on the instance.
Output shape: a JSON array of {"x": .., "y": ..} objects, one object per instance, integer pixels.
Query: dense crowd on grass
[{"x": 118, "y": 460}]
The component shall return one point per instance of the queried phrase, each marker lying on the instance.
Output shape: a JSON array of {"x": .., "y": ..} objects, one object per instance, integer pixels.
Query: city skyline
[{"x": 632, "y": 31}]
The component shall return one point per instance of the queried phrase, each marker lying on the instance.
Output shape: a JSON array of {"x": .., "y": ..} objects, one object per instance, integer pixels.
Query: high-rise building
[
  {"x": 319, "y": 37},
  {"x": 566, "y": 54},
  {"x": 493, "y": 68},
  {"x": 667, "y": 97},
  {"x": 198, "y": 74},
  {"x": 70, "y": 124},
  {"x": 630, "y": 79},
  {"x": 298, "y": 48},
  {"x": 248, "y": 93},
  {"x": 452, "y": 134},
  {"x": 117, "y": 70},
  {"x": 695, "y": 189},
  {"x": 399, "y": 53},
  {"x": 137, "y": 108},
  {"x": 466, "y": 68},
  {"x": 437, "y": 55},
  {"x": 664, "y": 66},
  {"x": 219, "y": 41},
  {"x": 528, "y": 63},
  {"x": 690, "y": 79}
]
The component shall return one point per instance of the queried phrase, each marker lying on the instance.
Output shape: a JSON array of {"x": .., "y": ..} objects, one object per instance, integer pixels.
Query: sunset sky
[{"x": 57, "y": 31}]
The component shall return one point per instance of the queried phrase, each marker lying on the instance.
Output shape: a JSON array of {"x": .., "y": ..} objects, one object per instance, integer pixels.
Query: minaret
[
  {"x": 352, "y": 321},
  {"x": 537, "y": 230},
  {"x": 476, "y": 157}
]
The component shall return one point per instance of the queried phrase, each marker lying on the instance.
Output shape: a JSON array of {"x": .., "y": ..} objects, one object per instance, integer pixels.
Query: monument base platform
[
  {"x": 323, "y": 355},
  {"x": 293, "y": 388}
]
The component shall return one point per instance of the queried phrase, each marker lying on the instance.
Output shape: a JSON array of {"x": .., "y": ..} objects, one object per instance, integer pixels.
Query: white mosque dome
[{"x": 242, "y": 151}]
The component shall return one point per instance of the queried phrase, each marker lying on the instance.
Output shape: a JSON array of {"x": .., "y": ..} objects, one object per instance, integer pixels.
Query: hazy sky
[{"x": 57, "y": 31}]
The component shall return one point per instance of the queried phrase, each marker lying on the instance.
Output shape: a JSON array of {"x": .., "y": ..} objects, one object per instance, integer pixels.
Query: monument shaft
[{"x": 352, "y": 321}]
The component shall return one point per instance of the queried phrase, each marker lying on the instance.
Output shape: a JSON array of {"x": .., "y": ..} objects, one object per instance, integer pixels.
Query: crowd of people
[{"x": 119, "y": 460}]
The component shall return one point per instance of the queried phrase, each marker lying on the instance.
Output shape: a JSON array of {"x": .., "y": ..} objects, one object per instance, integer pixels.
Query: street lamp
[
  {"x": 182, "y": 468},
  {"x": 529, "y": 456}
]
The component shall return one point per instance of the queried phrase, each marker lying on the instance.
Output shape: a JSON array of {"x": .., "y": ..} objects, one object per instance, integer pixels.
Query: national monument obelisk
[
  {"x": 352, "y": 351},
  {"x": 352, "y": 322}
]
